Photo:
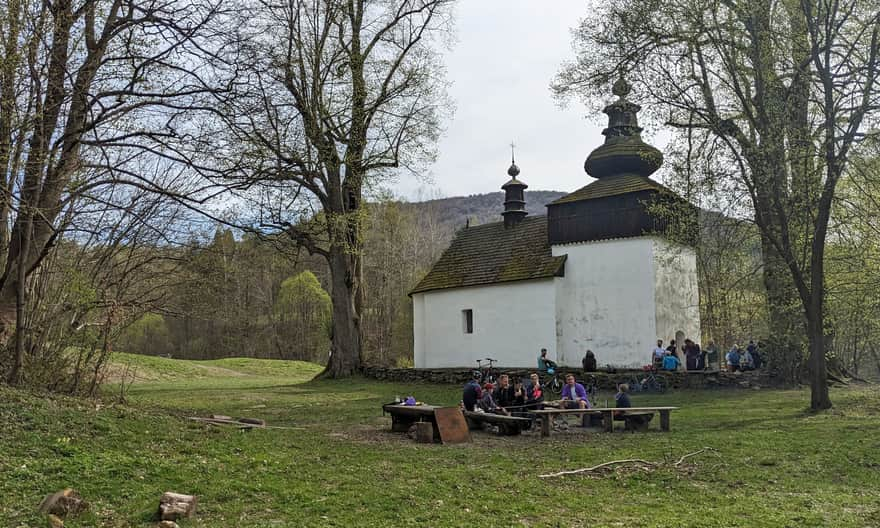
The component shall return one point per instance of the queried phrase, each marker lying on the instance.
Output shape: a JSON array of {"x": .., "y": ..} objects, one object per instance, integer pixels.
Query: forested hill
[{"x": 455, "y": 211}]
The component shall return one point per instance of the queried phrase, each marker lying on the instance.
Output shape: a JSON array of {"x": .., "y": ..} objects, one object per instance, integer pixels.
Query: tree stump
[
  {"x": 173, "y": 506},
  {"x": 424, "y": 432}
]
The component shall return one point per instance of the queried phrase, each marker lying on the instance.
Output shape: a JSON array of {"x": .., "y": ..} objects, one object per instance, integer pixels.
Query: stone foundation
[{"x": 606, "y": 381}]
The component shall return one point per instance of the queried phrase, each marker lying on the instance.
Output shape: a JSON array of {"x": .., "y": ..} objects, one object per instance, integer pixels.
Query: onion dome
[{"x": 623, "y": 152}]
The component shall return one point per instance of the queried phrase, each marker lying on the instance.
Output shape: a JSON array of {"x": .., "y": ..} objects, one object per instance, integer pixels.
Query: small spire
[
  {"x": 513, "y": 171},
  {"x": 514, "y": 195}
]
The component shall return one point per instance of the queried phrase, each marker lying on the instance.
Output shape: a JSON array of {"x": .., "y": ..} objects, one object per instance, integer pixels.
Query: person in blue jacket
[{"x": 670, "y": 361}]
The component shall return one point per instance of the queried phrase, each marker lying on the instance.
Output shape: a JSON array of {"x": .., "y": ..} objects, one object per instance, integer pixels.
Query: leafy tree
[
  {"x": 779, "y": 90},
  {"x": 87, "y": 89},
  {"x": 303, "y": 314},
  {"x": 326, "y": 98},
  {"x": 147, "y": 335}
]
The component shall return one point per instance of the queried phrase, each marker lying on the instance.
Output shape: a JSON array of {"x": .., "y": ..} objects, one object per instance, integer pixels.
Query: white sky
[{"x": 500, "y": 71}]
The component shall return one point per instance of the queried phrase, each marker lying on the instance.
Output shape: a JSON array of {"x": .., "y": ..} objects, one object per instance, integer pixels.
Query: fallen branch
[
  {"x": 600, "y": 466},
  {"x": 241, "y": 424},
  {"x": 682, "y": 459},
  {"x": 635, "y": 461}
]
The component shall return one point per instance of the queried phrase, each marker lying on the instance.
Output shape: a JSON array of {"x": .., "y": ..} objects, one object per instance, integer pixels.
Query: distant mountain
[{"x": 454, "y": 213}]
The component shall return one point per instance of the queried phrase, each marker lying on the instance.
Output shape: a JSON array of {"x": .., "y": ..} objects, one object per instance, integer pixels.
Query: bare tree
[
  {"x": 87, "y": 88},
  {"x": 784, "y": 87},
  {"x": 328, "y": 98}
]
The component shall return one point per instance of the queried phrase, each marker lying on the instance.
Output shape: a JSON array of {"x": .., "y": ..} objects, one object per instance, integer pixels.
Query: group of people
[
  {"x": 696, "y": 358},
  {"x": 520, "y": 398},
  {"x": 742, "y": 360},
  {"x": 506, "y": 397}
]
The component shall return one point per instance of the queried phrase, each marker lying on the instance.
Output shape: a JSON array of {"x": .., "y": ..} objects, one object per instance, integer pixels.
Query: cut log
[
  {"x": 424, "y": 432},
  {"x": 220, "y": 417},
  {"x": 173, "y": 506}
]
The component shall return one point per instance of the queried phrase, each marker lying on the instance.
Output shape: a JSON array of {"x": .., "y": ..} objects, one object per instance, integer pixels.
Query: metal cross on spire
[{"x": 512, "y": 147}]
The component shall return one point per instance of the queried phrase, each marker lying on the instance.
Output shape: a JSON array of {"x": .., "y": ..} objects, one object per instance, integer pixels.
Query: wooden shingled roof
[
  {"x": 611, "y": 186},
  {"x": 491, "y": 254}
]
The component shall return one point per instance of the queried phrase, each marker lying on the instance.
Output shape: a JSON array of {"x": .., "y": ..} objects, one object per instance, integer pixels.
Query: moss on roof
[
  {"x": 612, "y": 186},
  {"x": 491, "y": 253}
]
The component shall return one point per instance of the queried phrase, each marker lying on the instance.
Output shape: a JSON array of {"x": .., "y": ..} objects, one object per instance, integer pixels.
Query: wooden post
[
  {"x": 608, "y": 421},
  {"x": 424, "y": 432},
  {"x": 664, "y": 420},
  {"x": 545, "y": 425}
]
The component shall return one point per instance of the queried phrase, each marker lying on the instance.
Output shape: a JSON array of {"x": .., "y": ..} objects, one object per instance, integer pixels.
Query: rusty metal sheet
[{"x": 452, "y": 426}]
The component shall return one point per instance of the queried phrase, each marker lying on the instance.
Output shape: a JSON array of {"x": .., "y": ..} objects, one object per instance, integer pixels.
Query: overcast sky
[{"x": 500, "y": 69}]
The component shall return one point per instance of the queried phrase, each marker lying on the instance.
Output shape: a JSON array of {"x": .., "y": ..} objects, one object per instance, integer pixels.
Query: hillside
[{"x": 454, "y": 212}]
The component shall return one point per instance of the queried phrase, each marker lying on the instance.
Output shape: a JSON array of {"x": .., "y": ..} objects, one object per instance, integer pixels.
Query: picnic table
[
  {"x": 403, "y": 416},
  {"x": 545, "y": 415}
]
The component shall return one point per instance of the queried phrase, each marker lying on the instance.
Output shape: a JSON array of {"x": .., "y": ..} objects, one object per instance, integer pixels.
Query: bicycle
[
  {"x": 591, "y": 384},
  {"x": 647, "y": 383},
  {"x": 486, "y": 373},
  {"x": 554, "y": 383}
]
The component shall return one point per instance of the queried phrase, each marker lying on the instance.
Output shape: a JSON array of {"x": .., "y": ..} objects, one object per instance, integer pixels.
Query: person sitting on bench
[
  {"x": 574, "y": 395},
  {"x": 506, "y": 395},
  {"x": 636, "y": 421},
  {"x": 471, "y": 393},
  {"x": 534, "y": 393},
  {"x": 487, "y": 402}
]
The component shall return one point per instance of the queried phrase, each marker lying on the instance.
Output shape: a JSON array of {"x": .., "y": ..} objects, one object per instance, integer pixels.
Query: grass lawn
[{"x": 339, "y": 466}]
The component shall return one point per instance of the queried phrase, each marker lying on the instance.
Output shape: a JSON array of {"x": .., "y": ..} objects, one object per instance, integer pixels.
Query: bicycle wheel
[
  {"x": 636, "y": 385},
  {"x": 659, "y": 385},
  {"x": 555, "y": 386}
]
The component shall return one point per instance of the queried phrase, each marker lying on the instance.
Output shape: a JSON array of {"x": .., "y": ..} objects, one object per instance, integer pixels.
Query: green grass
[{"x": 339, "y": 466}]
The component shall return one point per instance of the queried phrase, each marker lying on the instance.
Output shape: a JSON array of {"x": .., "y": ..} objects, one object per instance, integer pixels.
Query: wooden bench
[
  {"x": 546, "y": 415},
  {"x": 507, "y": 425}
]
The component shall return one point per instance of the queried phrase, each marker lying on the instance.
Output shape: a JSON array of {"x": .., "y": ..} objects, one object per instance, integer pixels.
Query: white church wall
[
  {"x": 418, "y": 329},
  {"x": 511, "y": 323},
  {"x": 677, "y": 291},
  {"x": 605, "y": 302}
]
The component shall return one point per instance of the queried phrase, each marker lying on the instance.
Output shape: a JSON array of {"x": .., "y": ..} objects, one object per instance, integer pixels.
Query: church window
[{"x": 467, "y": 319}]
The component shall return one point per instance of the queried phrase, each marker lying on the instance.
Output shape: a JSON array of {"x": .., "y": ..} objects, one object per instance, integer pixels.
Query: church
[{"x": 606, "y": 269}]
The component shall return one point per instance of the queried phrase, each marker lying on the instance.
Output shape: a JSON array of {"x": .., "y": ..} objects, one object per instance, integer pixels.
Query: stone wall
[{"x": 605, "y": 380}]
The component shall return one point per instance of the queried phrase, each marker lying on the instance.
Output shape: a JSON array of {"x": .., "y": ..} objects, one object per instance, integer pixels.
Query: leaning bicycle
[
  {"x": 486, "y": 373},
  {"x": 649, "y": 382}
]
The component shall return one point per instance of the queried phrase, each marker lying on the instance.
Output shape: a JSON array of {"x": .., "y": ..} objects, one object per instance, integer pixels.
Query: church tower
[
  {"x": 630, "y": 273},
  {"x": 514, "y": 197}
]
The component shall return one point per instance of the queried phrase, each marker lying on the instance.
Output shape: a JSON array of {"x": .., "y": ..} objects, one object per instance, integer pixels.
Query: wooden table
[
  {"x": 607, "y": 413},
  {"x": 403, "y": 416}
]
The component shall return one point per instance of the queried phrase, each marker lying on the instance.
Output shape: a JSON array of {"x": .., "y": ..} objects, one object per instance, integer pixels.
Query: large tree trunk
[
  {"x": 819, "y": 398},
  {"x": 345, "y": 348}
]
